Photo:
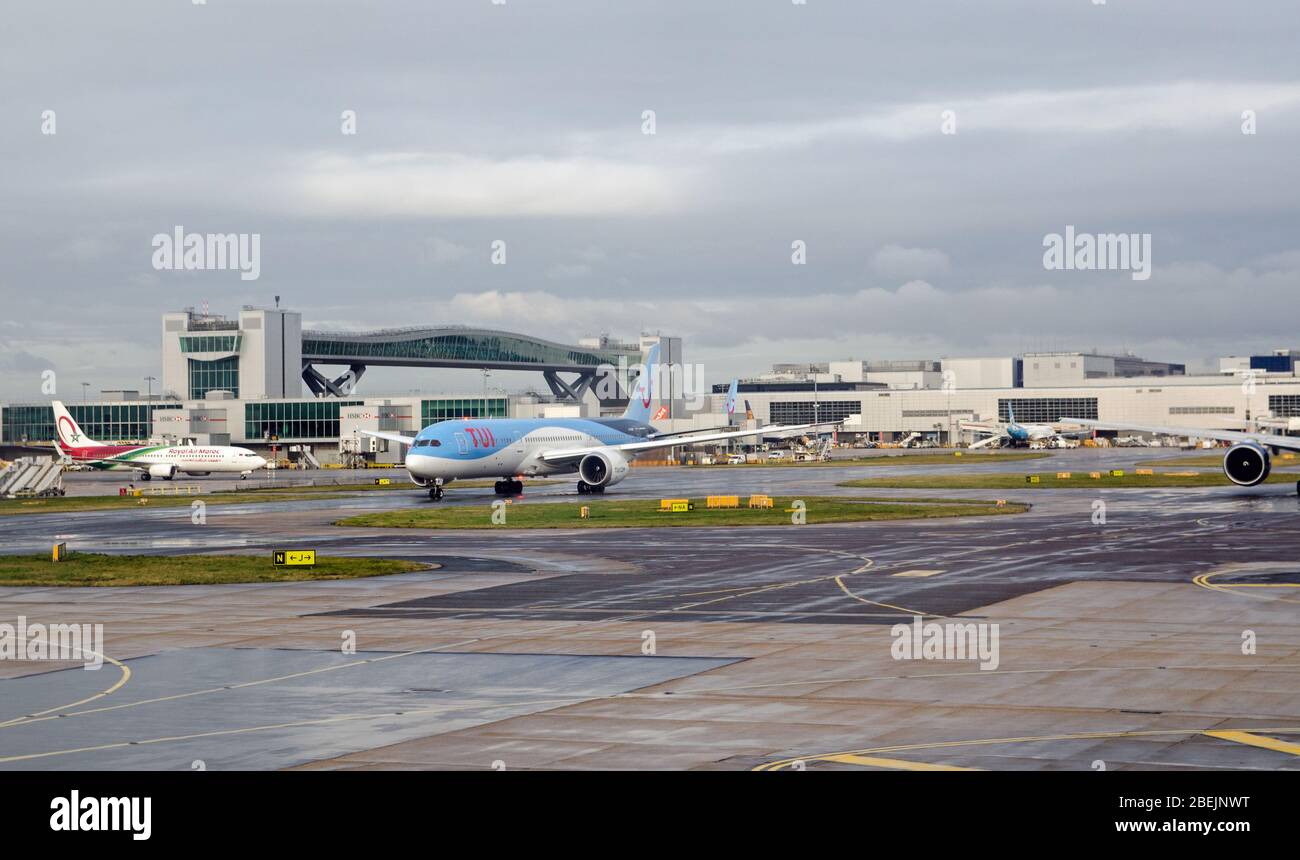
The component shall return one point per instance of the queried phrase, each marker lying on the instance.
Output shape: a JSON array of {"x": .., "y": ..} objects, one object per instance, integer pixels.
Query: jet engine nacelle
[
  {"x": 1246, "y": 464},
  {"x": 603, "y": 468},
  {"x": 162, "y": 470}
]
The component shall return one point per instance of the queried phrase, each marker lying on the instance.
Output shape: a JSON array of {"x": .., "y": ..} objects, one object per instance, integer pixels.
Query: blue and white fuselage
[
  {"x": 514, "y": 447},
  {"x": 599, "y": 450},
  {"x": 1030, "y": 432}
]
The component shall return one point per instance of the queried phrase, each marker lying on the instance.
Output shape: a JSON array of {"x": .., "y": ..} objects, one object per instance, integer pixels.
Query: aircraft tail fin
[
  {"x": 68, "y": 434},
  {"x": 638, "y": 405},
  {"x": 749, "y": 411},
  {"x": 730, "y": 404}
]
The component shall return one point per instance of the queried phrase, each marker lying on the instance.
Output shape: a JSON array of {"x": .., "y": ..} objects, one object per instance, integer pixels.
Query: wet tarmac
[{"x": 1112, "y": 630}]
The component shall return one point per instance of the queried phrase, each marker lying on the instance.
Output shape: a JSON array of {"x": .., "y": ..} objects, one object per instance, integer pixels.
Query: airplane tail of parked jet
[
  {"x": 731, "y": 400},
  {"x": 638, "y": 405},
  {"x": 68, "y": 432}
]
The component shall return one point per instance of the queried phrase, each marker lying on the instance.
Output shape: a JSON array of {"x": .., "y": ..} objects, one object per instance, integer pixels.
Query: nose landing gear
[{"x": 435, "y": 493}]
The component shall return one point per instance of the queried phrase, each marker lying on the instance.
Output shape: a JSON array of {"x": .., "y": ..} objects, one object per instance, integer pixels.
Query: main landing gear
[
  {"x": 509, "y": 487},
  {"x": 435, "y": 493},
  {"x": 584, "y": 487}
]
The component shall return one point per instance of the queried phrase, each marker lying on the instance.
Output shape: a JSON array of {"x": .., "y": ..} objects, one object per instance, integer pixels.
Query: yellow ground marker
[
  {"x": 784, "y": 764},
  {"x": 1203, "y": 580},
  {"x": 918, "y": 573},
  {"x": 891, "y": 763},
  {"x": 1257, "y": 741}
]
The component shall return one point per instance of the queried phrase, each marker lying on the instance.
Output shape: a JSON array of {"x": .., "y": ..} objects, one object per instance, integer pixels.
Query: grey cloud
[{"x": 775, "y": 122}]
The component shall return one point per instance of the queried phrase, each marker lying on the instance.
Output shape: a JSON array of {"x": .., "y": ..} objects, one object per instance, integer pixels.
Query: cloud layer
[{"x": 822, "y": 123}]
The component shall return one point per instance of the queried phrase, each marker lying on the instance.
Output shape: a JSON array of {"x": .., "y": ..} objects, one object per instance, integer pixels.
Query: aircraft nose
[{"x": 261, "y": 463}]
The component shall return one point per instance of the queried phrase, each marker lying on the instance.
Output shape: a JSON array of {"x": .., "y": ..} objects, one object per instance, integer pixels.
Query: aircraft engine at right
[{"x": 1247, "y": 464}]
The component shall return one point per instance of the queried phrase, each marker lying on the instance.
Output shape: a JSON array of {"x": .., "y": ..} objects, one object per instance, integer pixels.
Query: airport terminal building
[
  {"x": 258, "y": 380},
  {"x": 891, "y": 399}
]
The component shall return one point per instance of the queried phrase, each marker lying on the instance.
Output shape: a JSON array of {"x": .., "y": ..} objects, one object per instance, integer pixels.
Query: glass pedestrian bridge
[
  {"x": 464, "y": 347},
  {"x": 454, "y": 346}
]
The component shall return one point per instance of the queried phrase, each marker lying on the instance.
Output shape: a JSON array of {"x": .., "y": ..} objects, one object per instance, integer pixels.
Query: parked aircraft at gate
[{"x": 1014, "y": 433}]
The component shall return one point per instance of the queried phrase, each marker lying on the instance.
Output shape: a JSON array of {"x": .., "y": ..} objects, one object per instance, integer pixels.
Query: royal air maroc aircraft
[
  {"x": 597, "y": 449},
  {"x": 151, "y": 461}
]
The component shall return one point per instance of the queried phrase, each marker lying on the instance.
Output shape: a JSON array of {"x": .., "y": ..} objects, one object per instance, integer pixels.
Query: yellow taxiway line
[
  {"x": 1255, "y": 740},
  {"x": 1252, "y": 738},
  {"x": 1203, "y": 580}
]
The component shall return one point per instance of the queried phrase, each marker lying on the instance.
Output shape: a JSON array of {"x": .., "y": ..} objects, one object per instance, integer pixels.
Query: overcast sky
[{"x": 774, "y": 122}]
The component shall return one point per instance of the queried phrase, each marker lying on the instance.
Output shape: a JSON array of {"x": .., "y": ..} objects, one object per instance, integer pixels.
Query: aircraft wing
[
  {"x": 980, "y": 427},
  {"x": 568, "y": 455},
  {"x": 680, "y": 433},
  {"x": 83, "y": 461},
  {"x": 987, "y": 440},
  {"x": 1269, "y": 440},
  {"x": 391, "y": 437}
]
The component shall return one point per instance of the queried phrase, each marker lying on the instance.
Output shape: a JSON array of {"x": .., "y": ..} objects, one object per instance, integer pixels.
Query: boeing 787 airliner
[{"x": 597, "y": 449}]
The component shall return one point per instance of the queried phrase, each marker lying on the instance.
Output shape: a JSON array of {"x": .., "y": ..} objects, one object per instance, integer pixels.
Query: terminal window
[
  {"x": 1047, "y": 409},
  {"x": 103, "y": 422},
  {"x": 219, "y": 375},
  {"x": 1202, "y": 410},
  {"x": 211, "y": 343},
  {"x": 807, "y": 411},
  {"x": 938, "y": 413},
  {"x": 308, "y": 419},
  {"x": 1284, "y": 405},
  {"x": 444, "y": 409}
]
